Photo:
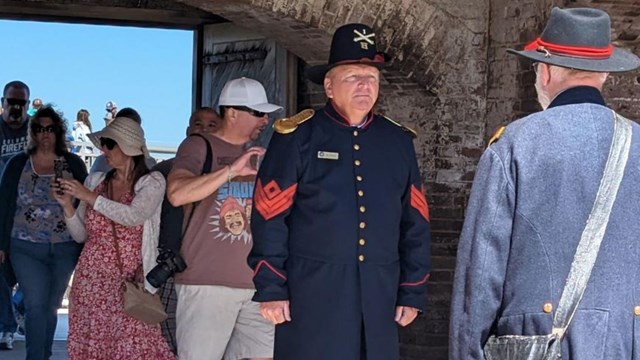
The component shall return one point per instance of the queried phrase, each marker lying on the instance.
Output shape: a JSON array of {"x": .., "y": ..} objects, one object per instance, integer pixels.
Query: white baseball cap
[{"x": 246, "y": 92}]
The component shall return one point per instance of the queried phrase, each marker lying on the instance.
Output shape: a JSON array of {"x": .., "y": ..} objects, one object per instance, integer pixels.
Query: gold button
[
  {"x": 361, "y": 242},
  {"x": 636, "y": 310},
  {"x": 360, "y": 193},
  {"x": 355, "y": 132},
  {"x": 547, "y": 307},
  {"x": 359, "y": 178},
  {"x": 362, "y": 209},
  {"x": 361, "y": 257},
  {"x": 362, "y": 225},
  {"x": 357, "y": 162},
  {"x": 356, "y": 147}
]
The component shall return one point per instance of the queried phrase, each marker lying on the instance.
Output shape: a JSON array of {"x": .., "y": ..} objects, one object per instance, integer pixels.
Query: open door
[{"x": 229, "y": 51}]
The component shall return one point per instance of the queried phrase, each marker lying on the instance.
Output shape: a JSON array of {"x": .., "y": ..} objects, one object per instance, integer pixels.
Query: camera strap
[{"x": 206, "y": 168}]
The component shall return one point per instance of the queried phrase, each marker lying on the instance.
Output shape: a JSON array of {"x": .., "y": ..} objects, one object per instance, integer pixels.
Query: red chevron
[
  {"x": 270, "y": 201},
  {"x": 419, "y": 202}
]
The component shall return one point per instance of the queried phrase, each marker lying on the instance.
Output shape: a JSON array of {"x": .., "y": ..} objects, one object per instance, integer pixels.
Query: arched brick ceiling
[{"x": 435, "y": 44}]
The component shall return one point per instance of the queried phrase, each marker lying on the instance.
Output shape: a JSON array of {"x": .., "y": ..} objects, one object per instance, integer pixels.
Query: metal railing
[{"x": 89, "y": 157}]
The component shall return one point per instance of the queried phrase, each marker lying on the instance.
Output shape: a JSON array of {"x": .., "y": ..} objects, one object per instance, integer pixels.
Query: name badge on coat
[{"x": 328, "y": 155}]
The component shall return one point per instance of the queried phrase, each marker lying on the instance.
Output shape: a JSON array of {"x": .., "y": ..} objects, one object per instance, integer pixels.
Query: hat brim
[
  {"x": 105, "y": 133},
  {"x": 620, "y": 61},
  {"x": 265, "y": 108},
  {"x": 316, "y": 73}
]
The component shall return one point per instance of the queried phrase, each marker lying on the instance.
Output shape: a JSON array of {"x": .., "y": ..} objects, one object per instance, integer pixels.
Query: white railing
[{"x": 90, "y": 157}]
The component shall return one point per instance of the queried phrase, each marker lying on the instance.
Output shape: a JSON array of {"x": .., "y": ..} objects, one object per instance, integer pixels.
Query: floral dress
[{"x": 98, "y": 326}]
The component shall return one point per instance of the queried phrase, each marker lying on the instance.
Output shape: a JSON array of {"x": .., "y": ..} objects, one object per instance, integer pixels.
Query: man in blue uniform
[
  {"x": 341, "y": 251},
  {"x": 533, "y": 192}
]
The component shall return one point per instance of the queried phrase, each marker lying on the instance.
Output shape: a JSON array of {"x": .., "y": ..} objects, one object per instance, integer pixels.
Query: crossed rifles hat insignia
[
  {"x": 364, "y": 38},
  {"x": 351, "y": 44}
]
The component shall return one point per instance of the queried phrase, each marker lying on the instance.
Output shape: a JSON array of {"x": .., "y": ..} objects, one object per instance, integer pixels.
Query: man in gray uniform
[{"x": 533, "y": 192}]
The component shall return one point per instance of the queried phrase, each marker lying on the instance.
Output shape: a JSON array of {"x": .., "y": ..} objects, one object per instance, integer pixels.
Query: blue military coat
[
  {"x": 533, "y": 191},
  {"x": 340, "y": 229}
]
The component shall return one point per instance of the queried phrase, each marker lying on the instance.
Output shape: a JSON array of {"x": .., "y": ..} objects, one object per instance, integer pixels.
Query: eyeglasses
[
  {"x": 18, "y": 102},
  {"x": 255, "y": 113},
  {"x": 108, "y": 143},
  {"x": 534, "y": 65},
  {"x": 39, "y": 129}
]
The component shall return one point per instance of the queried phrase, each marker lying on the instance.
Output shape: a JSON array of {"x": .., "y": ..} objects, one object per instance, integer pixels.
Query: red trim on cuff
[
  {"x": 265, "y": 263},
  {"x": 418, "y": 283},
  {"x": 419, "y": 202}
]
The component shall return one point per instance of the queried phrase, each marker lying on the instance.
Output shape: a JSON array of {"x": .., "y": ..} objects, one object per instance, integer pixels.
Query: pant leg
[
  {"x": 205, "y": 318},
  {"x": 62, "y": 261},
  {"x": 7, "y": 319},
  {"x": 30, "y": 262}
]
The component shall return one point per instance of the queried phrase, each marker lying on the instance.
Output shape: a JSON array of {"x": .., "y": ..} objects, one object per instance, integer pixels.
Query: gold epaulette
[
  {"x": 290, "y": 124},
  {"x": 496, "y": 135},
  {"x": 412, "y": 132}
]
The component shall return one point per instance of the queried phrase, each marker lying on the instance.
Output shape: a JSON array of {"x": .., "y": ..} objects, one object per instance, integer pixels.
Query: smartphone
[{"x": 58, "y": 166}]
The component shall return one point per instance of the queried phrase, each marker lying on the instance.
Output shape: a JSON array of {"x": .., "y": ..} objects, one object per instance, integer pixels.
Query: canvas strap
[{"x": 587, "y": 250}]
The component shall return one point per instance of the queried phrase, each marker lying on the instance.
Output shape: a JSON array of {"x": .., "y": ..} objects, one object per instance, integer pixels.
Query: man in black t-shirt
[{"x": 13, "y": 139}]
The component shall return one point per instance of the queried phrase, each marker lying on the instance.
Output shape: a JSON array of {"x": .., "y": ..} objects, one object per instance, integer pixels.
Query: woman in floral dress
[{"x": 128, "y": 199}]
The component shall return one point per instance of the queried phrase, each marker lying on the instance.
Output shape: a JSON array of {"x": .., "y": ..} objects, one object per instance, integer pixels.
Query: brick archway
[{"x": 436, "y": 84}]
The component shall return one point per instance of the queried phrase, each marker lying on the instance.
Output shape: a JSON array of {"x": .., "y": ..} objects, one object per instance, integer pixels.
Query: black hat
[
  {"x": 351, "y": 44},
  {"x": 579, "y": 39}
]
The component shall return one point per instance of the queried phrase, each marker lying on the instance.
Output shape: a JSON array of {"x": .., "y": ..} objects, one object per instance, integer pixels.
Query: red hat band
[{"x": 569, "y": 50}]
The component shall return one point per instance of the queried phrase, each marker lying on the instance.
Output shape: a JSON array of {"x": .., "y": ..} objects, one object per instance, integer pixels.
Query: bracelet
[{"x": 229, "y": 173}]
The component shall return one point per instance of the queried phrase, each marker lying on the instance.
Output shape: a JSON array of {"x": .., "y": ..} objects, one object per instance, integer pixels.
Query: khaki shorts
[{"x": 219, "y": 322}]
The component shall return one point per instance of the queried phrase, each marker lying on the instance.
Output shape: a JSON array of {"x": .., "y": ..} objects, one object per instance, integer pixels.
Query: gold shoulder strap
[{"x": 290, "y": 124}]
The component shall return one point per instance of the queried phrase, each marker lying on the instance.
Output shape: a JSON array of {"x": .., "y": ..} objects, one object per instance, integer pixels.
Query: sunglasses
[
  {"x": 14, "y": 102},
  {"x": 255, "y": 113},
  {"x": 39, "y": 129},
  {"x": 108, "y": 143}
]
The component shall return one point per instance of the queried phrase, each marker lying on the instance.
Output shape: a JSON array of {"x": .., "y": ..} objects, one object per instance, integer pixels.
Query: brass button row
[{"x": 362, "y": 224}]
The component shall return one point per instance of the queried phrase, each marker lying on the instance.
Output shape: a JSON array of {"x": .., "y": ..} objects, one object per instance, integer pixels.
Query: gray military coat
[{"x": 531, "y": 197}]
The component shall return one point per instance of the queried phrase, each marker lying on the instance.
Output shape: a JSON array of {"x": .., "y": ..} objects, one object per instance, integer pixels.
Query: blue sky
[{"x": 84, "y": 66}]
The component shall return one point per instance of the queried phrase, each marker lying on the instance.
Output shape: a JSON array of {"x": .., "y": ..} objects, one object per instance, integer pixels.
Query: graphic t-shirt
[
  {"x": 39, "y": 218},
  {"x": 218, "y": 239},
  {"x": 12, "y": 141}
]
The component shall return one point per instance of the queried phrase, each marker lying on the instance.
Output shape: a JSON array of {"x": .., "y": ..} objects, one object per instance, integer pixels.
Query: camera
[{"x": 169, "y": 263}]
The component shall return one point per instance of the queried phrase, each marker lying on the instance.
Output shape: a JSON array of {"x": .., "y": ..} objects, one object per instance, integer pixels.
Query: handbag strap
[
  {"x": 589, "y": 245},
  {"x": 115, "y": 234}
]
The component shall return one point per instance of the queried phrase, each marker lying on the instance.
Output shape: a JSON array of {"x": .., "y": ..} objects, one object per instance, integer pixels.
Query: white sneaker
[
  {"x": 6, "y": 342},
  {"x": 20, "y": 322}
]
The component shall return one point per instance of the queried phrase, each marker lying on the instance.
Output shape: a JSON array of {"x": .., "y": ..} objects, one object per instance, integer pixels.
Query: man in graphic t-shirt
[
  {"x": 215, "y": 315},
  {"x": 13, "y": 139}
]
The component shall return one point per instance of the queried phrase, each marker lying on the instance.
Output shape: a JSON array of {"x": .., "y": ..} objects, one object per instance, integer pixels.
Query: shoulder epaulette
[
  {"x": 290, "y": 124},
  {"x": 496, "y": 135},
  {"x": 411, "y": 132}
]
